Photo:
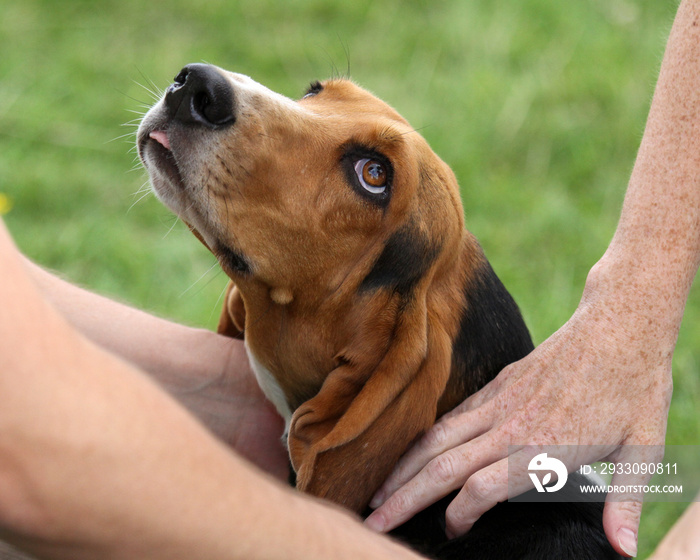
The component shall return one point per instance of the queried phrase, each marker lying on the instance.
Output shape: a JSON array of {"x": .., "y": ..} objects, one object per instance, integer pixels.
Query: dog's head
[{"x": 362, "y": 298}]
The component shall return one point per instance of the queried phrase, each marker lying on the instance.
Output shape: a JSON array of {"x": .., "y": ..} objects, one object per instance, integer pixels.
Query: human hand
[
  {"x": 602, "y": 380},
  {"x": 232, "y": 405},
  {"x": 207, "y": 373}
]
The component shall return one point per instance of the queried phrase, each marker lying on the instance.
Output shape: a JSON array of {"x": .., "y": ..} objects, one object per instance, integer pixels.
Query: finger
[
  {"x": 483, "y": 490},
  {"x": 446, "y": 434},
  {"x": 623, "y": 505},
  {"x": 497, "y": 482},
  {"x": 439, "y": 477},
  {"x": 621, "y": 524}
]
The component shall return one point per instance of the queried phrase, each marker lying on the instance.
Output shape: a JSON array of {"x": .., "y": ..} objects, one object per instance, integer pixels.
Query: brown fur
[
  {"x": 365, "y": 368},
  {"x": 366, "y": 313}
]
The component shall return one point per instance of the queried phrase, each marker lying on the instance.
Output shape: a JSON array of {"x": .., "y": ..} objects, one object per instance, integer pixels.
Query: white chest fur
[{"x": 272, "y": 390}]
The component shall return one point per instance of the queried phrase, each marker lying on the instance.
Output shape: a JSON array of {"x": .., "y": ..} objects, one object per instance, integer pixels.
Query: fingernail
[
  {"x": 377, "y": 501},
  {"x": 376, "y": 522},
  {"x": 627, "y": 541}
]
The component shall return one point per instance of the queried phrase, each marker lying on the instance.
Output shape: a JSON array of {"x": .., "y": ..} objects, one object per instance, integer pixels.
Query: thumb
[
  {"x": 621, "y": 524},
  {"x": 623, "y": 504}
]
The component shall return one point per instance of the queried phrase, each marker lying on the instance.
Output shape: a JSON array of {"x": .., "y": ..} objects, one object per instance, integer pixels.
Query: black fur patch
[
  {"x": 313, "y": 89},
  {"x": 492, "y": 335},
  {"x": 406, "y": 257},
  {"x": 522, "y": 530},
  {"x": 492, "y": 332},
  {"x": 232, "y": 261}
]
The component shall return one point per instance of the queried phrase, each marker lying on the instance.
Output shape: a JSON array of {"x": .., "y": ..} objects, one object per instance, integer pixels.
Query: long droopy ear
[
  {"x": 232, "y": 319},
  {"x": 344, "y": 441}
]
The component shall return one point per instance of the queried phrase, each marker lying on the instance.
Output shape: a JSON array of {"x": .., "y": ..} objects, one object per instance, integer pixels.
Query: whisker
[
  {"x": 139, "y": 101},
  {"x": 136, "y": 167},
  {"x": 172, "y": 227},
  {"x": 121, "y": 137},
  {"x": 141, "y": 114},
  {"x": 200, "y": 279},
  {"x": 154, "y": 95},
  {"x": 346, "y": 50},
  {"x": 217, "y": 304},
  {"x": 144, "y": 187},
  {"x": 415, "y": 130},
  {"x": 140, "y": 198},
  {"x": 144, "y": 195},
  {"x": 150, "y": 81}
]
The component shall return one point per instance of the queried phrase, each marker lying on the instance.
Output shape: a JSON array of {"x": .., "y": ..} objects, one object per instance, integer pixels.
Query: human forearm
[
  {"x": 144, "y": 480},
  {"x": 207, "y": 373},
  {"x": 602, "y": 381},
  {"x": 174, "y": 353},
  {"x": 97, "y": 463},
  {"x": 654, "y": 254},
  {"x": 682, "y": 542}
]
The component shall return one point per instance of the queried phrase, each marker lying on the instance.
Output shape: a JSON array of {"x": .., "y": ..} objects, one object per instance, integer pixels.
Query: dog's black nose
[{"x": 202, "y": 95}]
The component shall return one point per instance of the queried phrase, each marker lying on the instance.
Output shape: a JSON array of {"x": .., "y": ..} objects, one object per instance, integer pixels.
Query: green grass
[{"x": 538, "y": 105}]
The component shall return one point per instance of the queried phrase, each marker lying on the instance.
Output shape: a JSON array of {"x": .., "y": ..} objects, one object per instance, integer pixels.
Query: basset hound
[{"x": 367, "y": 309}]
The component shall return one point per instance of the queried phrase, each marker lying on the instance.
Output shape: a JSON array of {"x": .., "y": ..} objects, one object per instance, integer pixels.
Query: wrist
[{"x": 638, "y": 303}]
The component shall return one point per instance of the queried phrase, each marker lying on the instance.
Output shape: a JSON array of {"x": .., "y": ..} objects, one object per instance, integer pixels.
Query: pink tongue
[{"x": 160, "y": 137}]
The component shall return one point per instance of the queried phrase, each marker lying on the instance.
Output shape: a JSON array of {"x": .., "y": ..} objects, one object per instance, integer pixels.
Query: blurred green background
[{"x": 538, "y": 105}]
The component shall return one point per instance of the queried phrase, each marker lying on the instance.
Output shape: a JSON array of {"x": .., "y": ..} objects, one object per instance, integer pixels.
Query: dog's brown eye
[{"x": 372, "y": 175}]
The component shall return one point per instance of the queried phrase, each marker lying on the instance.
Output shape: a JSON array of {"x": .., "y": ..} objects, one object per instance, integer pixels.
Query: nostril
[
  {"x": 201, "y": 94},
  {"x": 181, "y": 78},
  {"x": 200, "y": 102},
  {"x": 179, "y": 81},
  {"x": 215, "y": 104}
]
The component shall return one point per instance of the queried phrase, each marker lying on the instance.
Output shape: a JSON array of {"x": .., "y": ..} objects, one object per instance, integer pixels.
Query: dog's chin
[
  {"x": 170, "y": 188},
  {"x": 166, "y": 178},
  {"x": 162, "y": 167}
]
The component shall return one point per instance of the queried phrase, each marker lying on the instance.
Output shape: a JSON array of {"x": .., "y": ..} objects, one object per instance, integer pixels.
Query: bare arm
[
  {"x": 682, "y": 542},
  {"x": 209, "y": 374},
  {"x": 655, "y": 252},
  {"x": 605, "y": 377},
  {"x": 84, "y": 435},
  {"x": 175, "y": 354}
]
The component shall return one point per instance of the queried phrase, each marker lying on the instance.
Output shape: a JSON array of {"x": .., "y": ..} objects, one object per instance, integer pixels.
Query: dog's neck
[
  {"x": 287, "y": 342},
  {"x": 492, "y": 334}
]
